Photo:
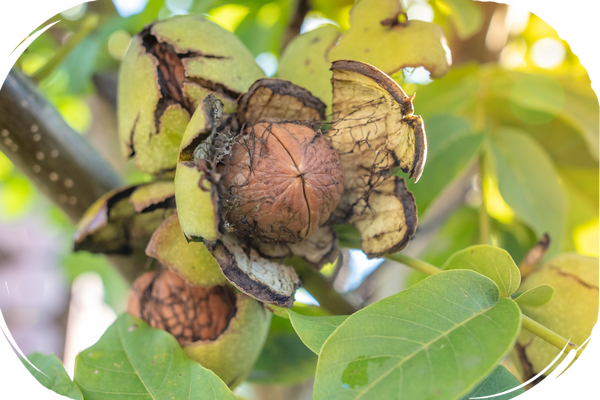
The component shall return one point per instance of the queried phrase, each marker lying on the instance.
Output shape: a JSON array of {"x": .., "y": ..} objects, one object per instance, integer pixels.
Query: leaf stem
[
  {"x": 419, "y": 265},
  {"x": 318, "y": 286},
  {"x": 88, "y": 24},
  {"x": 546, "y": 334},
  {"x": 484, "y": 219}
]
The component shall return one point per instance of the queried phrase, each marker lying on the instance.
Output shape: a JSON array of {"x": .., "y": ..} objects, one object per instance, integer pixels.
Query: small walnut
[
  {"x": 281, "y": 182},
  {"x": 190, "y": 313}
]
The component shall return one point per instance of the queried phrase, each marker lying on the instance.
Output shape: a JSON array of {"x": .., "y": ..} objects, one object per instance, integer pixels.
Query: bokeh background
[{"x": 509, "y": 68}]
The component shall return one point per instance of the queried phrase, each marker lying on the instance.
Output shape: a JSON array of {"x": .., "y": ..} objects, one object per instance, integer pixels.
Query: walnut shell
[
  {"x": 281, "y": 182},
  {"x": 190, "y": 313}
]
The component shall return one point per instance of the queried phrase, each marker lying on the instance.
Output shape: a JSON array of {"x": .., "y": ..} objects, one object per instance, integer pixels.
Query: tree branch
[{"x": 61, "y": 163}]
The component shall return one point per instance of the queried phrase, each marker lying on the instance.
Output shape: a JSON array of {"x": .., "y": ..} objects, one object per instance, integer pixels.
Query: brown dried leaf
[
  {"x": 272, "y": 100},
  {"x": 375, "y": 134},
  {"x": 264, "y": 280}
]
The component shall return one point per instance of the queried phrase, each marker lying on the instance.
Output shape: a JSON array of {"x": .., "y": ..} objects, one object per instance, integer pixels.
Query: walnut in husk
[
  {"x": 169, "y": 68},
  {"x": 222, "y": 330},
  {"x": 280, "y": 183},
  {"x": 270, "y": 182}
]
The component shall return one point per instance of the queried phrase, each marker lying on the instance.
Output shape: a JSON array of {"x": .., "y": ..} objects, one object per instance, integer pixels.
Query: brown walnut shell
[
  {"x": 190, "y": 313},
  {"x": 281, "y": 182}
]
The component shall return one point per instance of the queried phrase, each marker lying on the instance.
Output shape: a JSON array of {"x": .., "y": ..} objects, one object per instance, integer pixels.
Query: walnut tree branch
[{"x": 62, "y": 164}]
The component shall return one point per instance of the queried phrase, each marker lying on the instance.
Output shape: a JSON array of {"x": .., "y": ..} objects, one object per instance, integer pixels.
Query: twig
[
  {"x": 419, "y": 265},
  {"x": 293, "y": 30},
  {"x": 546, "y": 334},
  {"x": 534, "y": 256},
  {"x": 318, "y": 286},
  {"x": 88, "y": 24}
]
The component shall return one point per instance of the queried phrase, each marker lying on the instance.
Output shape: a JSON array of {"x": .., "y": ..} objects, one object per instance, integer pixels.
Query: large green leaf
[
  {"x": 529, "y": 183},
  {"x": 133, "y": 361},
  {"x": 437, "y": 339},
  {"x": 314, "y": 331},
  {"x": 53, "y": 375},
  {"x": 499, "y": 381},
  {"x": 490, "y": 261},
  {"x": 451, "y": 147},
  {"x": 455, "y": 93},
  {"x": 284, "y": 359}
]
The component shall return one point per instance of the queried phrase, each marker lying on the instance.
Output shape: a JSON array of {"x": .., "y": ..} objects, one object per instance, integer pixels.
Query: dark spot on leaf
[{"x": 132, "y": 328}]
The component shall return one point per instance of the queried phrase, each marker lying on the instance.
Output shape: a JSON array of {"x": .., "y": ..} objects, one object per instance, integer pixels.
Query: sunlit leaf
[
  {"x": 53, "y": 375},
  {"x": 451, "y": 147},
  {"x": 454, "y": 94},
  {"x": 536, "y": 296},
  {"x": 313, "y": 331},
  {"x": 499, "y": 381},
  {"x": 529, "y": 184},
  {"x": 133, "y": 360},
  {"x": 490, "y": 261},
  {"x": 452, "y": 328}
]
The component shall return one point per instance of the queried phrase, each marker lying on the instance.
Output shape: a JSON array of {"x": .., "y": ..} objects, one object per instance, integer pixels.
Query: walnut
[
  {"x": 281, "y": 182},
  {"x": 190, "y": 313}
]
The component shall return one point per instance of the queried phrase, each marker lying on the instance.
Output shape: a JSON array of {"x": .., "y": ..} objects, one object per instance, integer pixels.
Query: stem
[
  {"x": 534, "y": 256},
  {"x": 546, "y": 334},
  {"x": 484, "y": 219},
  {"x": 321, "y": 290},
  {"x": 419, "y": 265},
  {"x": 88, "y": 24}
]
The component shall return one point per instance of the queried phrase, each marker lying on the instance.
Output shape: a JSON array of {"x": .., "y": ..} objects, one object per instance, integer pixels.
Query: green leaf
[
  {"x": 284, "y": 360},
  {"x": 466, "y": 17},
  {"x": 490, "y": 261},
  {"x": 439, "y": 339},
  {"x": 132, "y": 360},
  {"x": 535, "y": 297},
  {"x": 537, "y": 98},
  {"x": 456, "y": 93},
  {"x": 314, "y": 331},
  {"x": 451, "y": 147},
  {"x": 499, "y": 381},
  {"x": 529, "y": 183},
  {"x": 53, "y": 375}
]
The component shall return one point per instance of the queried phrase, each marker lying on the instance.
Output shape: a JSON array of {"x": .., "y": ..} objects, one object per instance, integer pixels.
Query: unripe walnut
[
  {"x": 281, "y": 182},
  {"x": 190, "y": 313}
]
